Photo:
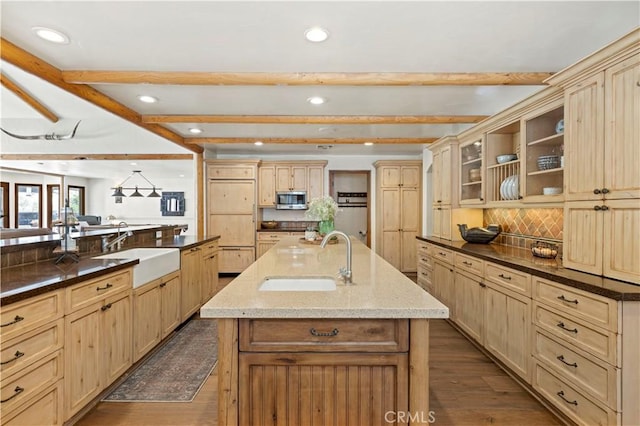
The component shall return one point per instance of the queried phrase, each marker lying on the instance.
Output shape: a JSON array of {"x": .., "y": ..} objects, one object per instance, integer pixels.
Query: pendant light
[{"x": 117, "y": 190}]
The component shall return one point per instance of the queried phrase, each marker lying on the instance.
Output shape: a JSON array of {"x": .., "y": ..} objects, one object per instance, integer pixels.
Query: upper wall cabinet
[
  {"x": 276, "y": 176},
  {"x": 472, "y": 174},
  {"x": 503, "y": 163}
]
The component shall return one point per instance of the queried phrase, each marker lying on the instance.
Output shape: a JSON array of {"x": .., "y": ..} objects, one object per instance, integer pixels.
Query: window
[
  {"x": 28, "y": 205},
  {"x": 4, "y": 213},
  {"x": 76, "y": 199},
  {"x": 53, "y": 204}
]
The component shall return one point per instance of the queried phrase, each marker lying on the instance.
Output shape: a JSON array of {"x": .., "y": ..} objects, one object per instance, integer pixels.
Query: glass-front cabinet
[
  {"x": 544, "y": 162},
  {"x": 471, "y": 172}
]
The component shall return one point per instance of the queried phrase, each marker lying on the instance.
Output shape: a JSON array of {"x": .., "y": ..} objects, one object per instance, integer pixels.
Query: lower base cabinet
[
  {"x": 45, "y": 408},
  {"x": 443, "y": 285},
  {"x": 470, "y": 304}
]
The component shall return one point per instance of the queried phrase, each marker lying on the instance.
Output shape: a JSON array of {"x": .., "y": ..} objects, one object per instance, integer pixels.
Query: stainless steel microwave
[{"x": 291, "y": 200}]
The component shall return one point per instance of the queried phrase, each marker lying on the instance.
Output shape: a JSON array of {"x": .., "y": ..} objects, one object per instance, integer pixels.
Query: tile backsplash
[{"x": 522, "y": 227}]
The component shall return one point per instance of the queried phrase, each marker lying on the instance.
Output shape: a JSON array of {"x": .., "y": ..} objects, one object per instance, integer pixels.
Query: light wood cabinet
[
  {"x": 291, "y": 177},
  {"x": 275, "y": 176},
  {"x": 425, "y": 267},
  {"x": 266, "y": 240},
  {"x": 209, "y": 271},
  {"x": 348, "y": 385},
  {"x": 267, "y": 185},
  {"x": 444, "y": 162},
  {"x": 470, "y": 303},
  {"x": 231, "y": 212},
  {"x": 46, "y": 408},
  {"x": 156, "y": 312},
  {"x": 444, "y": 285},
  {"x": 471, "y": 188},
  {"x": 190, "y": 271},
  {"x": 98, "y": 348},
  {"x": 398, "y": 211},
  {"x": 315, "y": 181}
]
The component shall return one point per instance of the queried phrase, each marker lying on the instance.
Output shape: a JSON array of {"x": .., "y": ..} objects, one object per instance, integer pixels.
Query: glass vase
[{"x": 325, "y": 226}]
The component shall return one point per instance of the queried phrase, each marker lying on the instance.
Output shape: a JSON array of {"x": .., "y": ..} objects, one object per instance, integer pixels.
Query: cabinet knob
[
  {"x": 605, "y": 191},
  {"x": 597, "y": 208},
  {"x": 438, "y": 201},
  {"x": 596, "y": 191},
  {"x": 481, "y": 199},
  {"x": 604, "y": 208}
]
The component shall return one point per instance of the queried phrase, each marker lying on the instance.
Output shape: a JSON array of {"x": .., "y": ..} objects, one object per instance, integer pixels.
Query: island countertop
[{"x": 378, "y": 290}]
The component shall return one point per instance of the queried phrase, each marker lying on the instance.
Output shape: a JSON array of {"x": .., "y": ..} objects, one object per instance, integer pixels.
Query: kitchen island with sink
[{"x": 349, "y": 354}]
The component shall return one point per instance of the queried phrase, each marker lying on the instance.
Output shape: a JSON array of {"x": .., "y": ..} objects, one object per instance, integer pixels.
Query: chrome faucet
[
  {"x": 345, "y": 273},
  {"x": 108, "y": 245}
]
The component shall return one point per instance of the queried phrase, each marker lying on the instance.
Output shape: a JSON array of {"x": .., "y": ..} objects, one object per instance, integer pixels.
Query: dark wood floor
[{"x": 466, "y": 388}]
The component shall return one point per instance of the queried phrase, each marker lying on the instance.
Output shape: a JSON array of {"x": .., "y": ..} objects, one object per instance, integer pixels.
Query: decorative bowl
[
  {"x": 272, "y": 224},
  {"x": 546, "y": 162},
  {"x": 560, "y": 126},
  {"x": 506, "y": 158},
  {"x": 552, "y": 190}
]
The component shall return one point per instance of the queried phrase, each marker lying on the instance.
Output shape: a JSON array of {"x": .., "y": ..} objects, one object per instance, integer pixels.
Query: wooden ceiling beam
[
  {"x": 307, "y": 78},
  {"x": 72, "y": 157},
  {"x": 312, "y": 141},
  {"x": 38, "y": 67},
  {"x": 315, "y": 119},
  {"x": 27, "y": 98}
]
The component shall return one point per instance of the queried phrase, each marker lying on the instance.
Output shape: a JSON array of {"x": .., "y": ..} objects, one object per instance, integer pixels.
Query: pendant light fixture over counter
[{"x": 117, "y": 191}]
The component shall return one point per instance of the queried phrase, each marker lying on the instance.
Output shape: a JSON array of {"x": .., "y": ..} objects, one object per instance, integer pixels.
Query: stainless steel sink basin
[
  {"x": 154, "y": 262},
  {"x": 298, "y": 284}
]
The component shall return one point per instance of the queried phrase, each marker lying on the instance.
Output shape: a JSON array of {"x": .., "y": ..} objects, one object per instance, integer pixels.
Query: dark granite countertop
[
  {"x": 24, "y": 281},
  {"x": 551, "y": 269}
]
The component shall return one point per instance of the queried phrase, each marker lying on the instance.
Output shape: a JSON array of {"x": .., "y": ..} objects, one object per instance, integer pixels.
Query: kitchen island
[{"x": 357, "y": 354}]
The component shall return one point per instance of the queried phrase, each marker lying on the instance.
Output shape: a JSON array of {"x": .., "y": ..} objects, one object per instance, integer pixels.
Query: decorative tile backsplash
[{"x": 522, "y": 227}]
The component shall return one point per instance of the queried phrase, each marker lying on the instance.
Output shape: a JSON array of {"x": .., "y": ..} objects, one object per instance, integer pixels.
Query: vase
[{"x": 325, "y": 226}]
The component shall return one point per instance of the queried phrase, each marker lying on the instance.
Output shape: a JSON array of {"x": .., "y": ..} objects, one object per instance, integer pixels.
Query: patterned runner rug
[{"x": 177, "y": 371}]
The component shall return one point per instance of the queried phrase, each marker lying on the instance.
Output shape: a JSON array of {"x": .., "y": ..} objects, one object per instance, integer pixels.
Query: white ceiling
[{"x": 267, "y": 36}]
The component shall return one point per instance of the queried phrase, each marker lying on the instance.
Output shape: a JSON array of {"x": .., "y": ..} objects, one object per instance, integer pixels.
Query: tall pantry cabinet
[
  {"x": 602, "y": 153},
  {"x": 231, "y": 211},
  {"x": 399, "y": 211}
]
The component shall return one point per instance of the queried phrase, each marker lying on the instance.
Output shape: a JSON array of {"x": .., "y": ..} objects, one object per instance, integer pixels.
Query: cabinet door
[
  {"x": 622, "y": 130},
  {"x": 584, "y": 138},
  {"x": 409, "y": 225},
  {"x": 170, "y": 296},
  {"x": 469, "y": 294},
  {"x": 436, "y": 178},
  {"x": 507, "y": 328},
  {"x": 621, "y": 243},
  {"x": 390, "y": 225},
  {"x": 83, "y": 349},
  {"x": 299, "y": 178},
  {"x": 411, "y": 176},
  {"x": 209, "y": 277},
  {"x": 443, "y": 283},
  {"x": 231, "y": 197},
  {"x": 264, "y": 246},
  {"x": 190, "y": 272},
  {"x": 445, "y": 176},
  {"x": 267, "y": 186},
  {"x": 389, "y": 176},
  {"x": 116, "y": 329},
  {"x": 233, "y": 229},
  {"x": 146, "y": 319},
  {"x": 315, "y": 182},
  {"x": 283, "y": 178},
  {"x": 582, "y": 229}
]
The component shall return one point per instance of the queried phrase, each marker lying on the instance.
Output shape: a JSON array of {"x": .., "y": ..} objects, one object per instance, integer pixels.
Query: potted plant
[{"x": 323, "y": 209}]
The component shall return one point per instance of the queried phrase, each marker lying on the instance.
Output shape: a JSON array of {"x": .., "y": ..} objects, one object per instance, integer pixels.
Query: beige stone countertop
[{"x": 378, "y": 290}]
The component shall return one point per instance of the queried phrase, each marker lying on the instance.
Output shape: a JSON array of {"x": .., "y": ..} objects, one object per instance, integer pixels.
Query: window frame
[
  {"x": 5, "y": 204},
  {"x": 16, "y": 199},
  {"x": 82, "y": 206},
  {"x": 50, "y": 206}
]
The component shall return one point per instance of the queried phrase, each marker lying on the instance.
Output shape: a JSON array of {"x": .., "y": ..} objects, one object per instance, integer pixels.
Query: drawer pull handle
[
  {"x": 18, "y": 318},
  {"x": 331, "y": 333},
  {"x": 423, "y": 273},
  {"x": 105, "y": 307},
  {"x": 564, "y": 299},
  {"x": 562, "y": 326},
  {"x": 163, "y": 285},
  {"x": 483, "y": 285},
  {"x": 561, "y": 395},
  {"x": 467, "y": 263},
  {"x": 17, "y": 391},
  {"x": 16, "y": 356},
  {"x": 442, "y": 253},
  {"x": 505, "y": 277},
  {"x": 104, "y": 288},
  {"x": 561, "y": 359}
]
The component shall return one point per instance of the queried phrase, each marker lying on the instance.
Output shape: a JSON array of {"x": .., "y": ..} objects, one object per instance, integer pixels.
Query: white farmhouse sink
[
  {"x": 298, "y": 284},
  {"x": 154, "y": 262}
]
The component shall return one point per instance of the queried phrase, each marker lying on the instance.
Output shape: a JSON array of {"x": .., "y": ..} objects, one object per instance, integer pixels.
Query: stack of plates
[{"x": 509, "y": 188}]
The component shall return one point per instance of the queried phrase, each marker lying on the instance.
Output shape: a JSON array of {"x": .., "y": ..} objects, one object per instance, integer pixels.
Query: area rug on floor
[{"x": 177, "y": 371}]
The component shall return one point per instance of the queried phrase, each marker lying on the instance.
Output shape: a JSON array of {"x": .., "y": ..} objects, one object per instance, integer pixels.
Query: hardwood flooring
[{"x": 467, "y": 388}]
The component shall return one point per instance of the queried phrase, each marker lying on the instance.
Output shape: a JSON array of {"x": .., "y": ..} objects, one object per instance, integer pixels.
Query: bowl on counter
[
  {"x": 505, "y": 158},
  {"x": 546, "y": 162},
  {"x": 552, "y": 190},
  {"x": 272, "y": 224}
]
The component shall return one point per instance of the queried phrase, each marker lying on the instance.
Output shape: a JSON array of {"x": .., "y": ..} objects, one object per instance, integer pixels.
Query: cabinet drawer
[
  {"x": 324, "y": 335},
  {"x": 235, "y": 259},
  {"x": 271, "y": 236},
  {"x": 470, "y": 264},
  {"x": 596, "y": 341},
  {"x": 443, "y": 255},
  {"x": 20, "y": 317},
  {"x": 590, "y": 307},
  {"x": 22, "y": 351},
  {"x": 425, "y": 279},
  {"x": 425, "y": 249},
  {"x": 594, "y": 377},
  {"x": 87, "y": 293},
  {"x": 424, "y": 261},
  {"x": 509, "y": 278},
  {"x": 231, "y": 171},
  {"x": 35, "y": 378},
  {"x": 570, "y": 400},
  {"x": 43, "y": 409}
]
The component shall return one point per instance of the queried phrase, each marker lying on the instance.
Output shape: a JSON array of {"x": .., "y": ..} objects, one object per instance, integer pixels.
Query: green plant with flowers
[{"x": 322, "y": 208}]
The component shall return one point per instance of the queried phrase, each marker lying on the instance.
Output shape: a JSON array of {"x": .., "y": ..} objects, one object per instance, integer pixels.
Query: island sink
[
  {"x": 298, "y": 284},
  {"x": 154, "y": 262}
]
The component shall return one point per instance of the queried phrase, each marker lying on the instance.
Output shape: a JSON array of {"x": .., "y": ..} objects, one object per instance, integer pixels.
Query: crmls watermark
[{"x": 418, "y": 417}]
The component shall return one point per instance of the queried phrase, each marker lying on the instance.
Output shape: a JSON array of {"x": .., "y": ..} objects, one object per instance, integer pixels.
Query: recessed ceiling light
[
  {"x": 195, "y": 130},
  {"x": 51, "y": 35},
  {"x": 133, "y": 164},
  {"x": 147, "y": 99},
  {"x": 181, "y": 175},
  {"x": 258, "y": 143},
  {"x": 316, "y": 100},
  {"x": 368, "y": 143},
  {"x": 316, "y": 34}
]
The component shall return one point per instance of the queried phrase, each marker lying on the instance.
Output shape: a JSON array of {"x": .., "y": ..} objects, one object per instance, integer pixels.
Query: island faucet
[
  {"x": 108, "y": 245},
  {"x": 345, "y": 273}
]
